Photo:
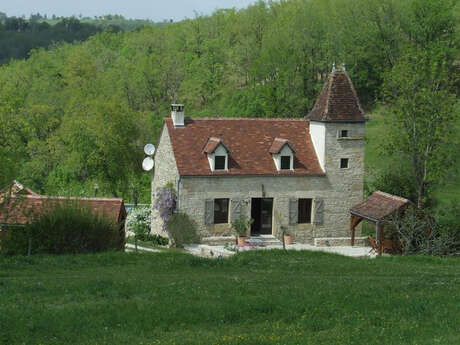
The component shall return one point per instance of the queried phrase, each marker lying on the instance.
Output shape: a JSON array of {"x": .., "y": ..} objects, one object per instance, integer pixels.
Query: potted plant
[
  {"x": 287, "y": 238},
  {"x": 241, "y": 227}
]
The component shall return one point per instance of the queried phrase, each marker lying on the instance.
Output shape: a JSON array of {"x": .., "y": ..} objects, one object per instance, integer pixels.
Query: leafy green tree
[{"x": 423, "y": 112}]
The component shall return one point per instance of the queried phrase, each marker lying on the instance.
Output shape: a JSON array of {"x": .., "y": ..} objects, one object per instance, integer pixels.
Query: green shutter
[
  {"x": 293, "y": 211},
  {"x": 319, "y": 211},
  {"x": 209, "y": 212},
  {"x": 237, "y": 209}
]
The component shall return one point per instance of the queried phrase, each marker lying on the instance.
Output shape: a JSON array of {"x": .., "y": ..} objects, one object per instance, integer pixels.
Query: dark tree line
[{"x": 18, "y": 36}]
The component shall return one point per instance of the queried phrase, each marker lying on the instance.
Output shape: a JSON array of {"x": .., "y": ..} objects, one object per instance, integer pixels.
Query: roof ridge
[
  {"x": 72, "y": 198},
  {"x": 300, "y": 119},
  {"x": 328, "y": 96},
  {"x": 358, "y": 103},
  {"x": 395, "y": 197}
]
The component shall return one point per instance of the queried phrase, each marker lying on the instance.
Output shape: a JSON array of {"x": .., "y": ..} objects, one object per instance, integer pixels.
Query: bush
[
  {"x": 181, "y": 229},
  {"x": 139, "y": 222},
  {"x": 422, "y": 233},
  {"x": 65, "y": 229},
  {"x": 156, "y": 240}
]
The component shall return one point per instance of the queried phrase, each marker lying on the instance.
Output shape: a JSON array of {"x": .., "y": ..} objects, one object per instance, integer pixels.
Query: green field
[{"x": 253, "y": 298}]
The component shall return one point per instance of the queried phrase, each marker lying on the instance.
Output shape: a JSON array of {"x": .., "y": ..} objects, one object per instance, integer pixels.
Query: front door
[{"x": 262, "y": 213}]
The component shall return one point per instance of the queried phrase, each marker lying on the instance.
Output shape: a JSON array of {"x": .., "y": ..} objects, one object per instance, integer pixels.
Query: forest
[
  {"x": 18, "y": 36},
  {"x": 78, "y": 114}
]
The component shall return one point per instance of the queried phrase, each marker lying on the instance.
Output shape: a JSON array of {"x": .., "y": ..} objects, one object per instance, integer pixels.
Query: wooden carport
[{"x": 378, "y": 208}]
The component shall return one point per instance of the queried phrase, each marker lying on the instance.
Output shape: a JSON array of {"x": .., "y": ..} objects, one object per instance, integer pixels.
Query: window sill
[{"x": 350, "y": 138}]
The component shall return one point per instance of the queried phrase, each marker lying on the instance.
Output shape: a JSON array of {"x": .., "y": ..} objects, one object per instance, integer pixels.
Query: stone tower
[{"x": 337, "y": 126}]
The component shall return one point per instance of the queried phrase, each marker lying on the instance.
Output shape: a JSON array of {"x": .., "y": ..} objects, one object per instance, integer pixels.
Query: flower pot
[
  {"x": 242, "y": 240},
  {"x": 287, "y": 239}
]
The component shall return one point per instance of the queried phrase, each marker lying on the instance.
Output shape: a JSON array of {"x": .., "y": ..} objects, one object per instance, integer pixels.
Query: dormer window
[
  {"x": 217, "y": 154},
  {"x": 220, "y": 162},
  {"x": 283, "y": 154},
  {"x": 285, "y": 162}
]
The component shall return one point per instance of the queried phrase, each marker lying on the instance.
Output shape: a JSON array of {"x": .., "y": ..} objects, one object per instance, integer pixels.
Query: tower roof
[{"x": 338, "y": 101}]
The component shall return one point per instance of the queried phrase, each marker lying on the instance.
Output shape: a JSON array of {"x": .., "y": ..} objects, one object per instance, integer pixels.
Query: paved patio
[{"x": 225, "y": 251}]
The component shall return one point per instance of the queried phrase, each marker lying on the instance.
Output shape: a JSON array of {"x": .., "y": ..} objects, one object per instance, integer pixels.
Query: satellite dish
[
  {"x": 148, "y": 163},
  {"x": 149, "y": 149}
]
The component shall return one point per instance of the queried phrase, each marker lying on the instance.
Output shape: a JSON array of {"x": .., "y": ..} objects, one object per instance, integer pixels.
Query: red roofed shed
[{"x": 377, "y": 208}]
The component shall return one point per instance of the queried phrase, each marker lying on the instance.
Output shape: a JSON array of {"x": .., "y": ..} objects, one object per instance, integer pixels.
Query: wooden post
[
  {"x": 352, "y": 229},
  {"x": 354, "y": 222},
  {"x": 380, "y": 234}
]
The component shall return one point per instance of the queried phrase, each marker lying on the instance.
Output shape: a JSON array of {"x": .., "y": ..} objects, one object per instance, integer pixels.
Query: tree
[{"x": 422, "y": 114}]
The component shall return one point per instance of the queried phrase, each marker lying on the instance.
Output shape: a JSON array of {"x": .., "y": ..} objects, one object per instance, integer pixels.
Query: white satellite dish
[
  {"x": 148, "y": 163},
  {"x": 149, "y": 149}
]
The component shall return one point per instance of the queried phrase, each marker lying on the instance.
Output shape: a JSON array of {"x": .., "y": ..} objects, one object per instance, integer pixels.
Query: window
[
  {"x": 219, "y": 162},
  {"x": 305, "y": 211},
  {"x": 285, "y": 162},
  {"x": 344, "y": 163},
  {"x": 220, "y": 211},
  {"x": 343, "y": 133}
]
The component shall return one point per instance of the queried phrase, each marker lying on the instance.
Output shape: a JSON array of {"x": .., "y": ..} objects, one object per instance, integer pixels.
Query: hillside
[{"x": 79, "y": 114}]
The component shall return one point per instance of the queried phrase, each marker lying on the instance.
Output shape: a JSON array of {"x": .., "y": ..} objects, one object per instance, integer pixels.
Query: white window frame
[
  {"x": 219, "y": 151},
  {"x": 285, "y": 151}
]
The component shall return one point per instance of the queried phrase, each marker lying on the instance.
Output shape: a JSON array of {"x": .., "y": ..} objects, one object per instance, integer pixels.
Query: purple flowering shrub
[{"x": 165, "y": 204}]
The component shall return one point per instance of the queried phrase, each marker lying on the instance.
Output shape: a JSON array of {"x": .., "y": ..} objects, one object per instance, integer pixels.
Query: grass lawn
[{"x": 260, "y": 297}]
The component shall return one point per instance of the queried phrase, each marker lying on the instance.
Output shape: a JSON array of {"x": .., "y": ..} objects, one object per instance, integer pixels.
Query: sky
[{"x": 157, "y": 10}]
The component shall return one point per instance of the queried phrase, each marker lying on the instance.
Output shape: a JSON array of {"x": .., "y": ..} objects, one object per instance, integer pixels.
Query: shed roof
[
  {"x": 21, "y": 210},
  {"x": 379, "y": 206}
]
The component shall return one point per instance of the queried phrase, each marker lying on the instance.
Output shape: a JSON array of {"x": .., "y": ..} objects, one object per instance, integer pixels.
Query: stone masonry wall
[
  {"x": 347, "y": 183},
  {"x": 165, "y": 172}
]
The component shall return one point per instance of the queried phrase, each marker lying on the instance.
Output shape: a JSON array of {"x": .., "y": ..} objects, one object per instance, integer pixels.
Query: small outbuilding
[
  {"x": 378, "y": 208},
  {"x": 20, "y": 205}
]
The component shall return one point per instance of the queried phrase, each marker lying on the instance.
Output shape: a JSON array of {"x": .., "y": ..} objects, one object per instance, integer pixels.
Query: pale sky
[{"x": 156, "y": 10}]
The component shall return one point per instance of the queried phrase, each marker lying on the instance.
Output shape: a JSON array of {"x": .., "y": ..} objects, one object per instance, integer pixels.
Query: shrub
[
  {"x": 156, "y": 240},
  {"x": 65, "y": 229},
  {"x": 422, "y": 233},
  {"x": 139, "y": 222},
  {"x": 181, "y": 229}
]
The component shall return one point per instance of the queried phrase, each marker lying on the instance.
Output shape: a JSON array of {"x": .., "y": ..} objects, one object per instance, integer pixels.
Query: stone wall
[{"x": 165, "y": 172}]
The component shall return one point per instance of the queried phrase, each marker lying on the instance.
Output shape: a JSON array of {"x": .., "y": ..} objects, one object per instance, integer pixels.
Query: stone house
[{"x": 300, "y": 173}]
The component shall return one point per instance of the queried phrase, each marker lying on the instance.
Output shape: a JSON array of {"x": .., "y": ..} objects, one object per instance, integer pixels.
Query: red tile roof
[
  {"x": 278, "y": 144},
  {"x": 249, "y": 141},
  {"x": 23, "y": 209},
  {"x": 338, "y": 101},
  {"x": 379, "y": 206}
]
